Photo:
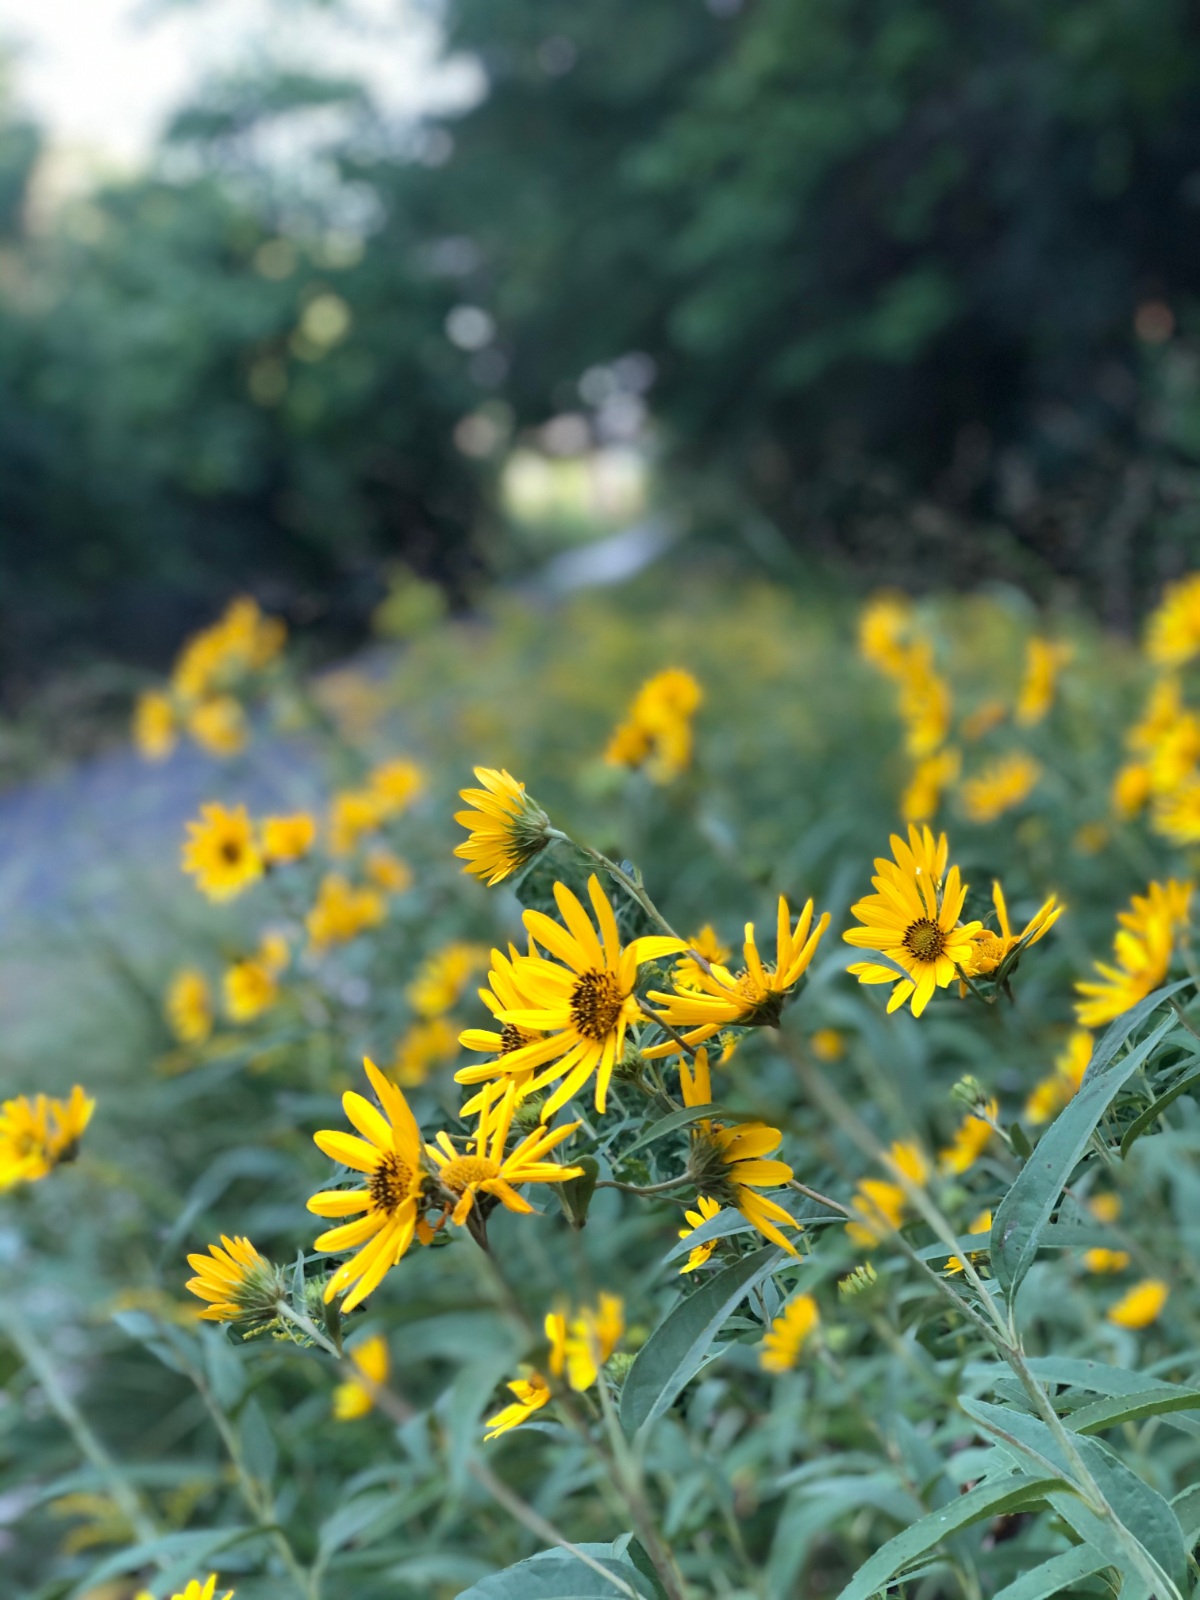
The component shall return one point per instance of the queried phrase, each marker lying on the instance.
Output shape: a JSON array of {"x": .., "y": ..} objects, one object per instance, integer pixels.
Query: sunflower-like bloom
[
  {"x": 388, "y": 871},
  {"x": 884, "y": 625},
  {"x": 353, "y": 813},
  {"x": 913, "y": 919},
  {"x": 197, "y": 1591},
  {"x": 342, "y": 911},
  {"x": 389, "y": 1155},
  {"x": 154, "y": 725},
  {"x": 188, "y": 1006},
  {"x": 729, "y": 1164},
  {"x": 1176, "y": 815},
  {"x": 1131, "y": 789},
  {"x": 996, "y": 952},
  {"x": 442, "y": 977},
  {"x": 240, "y": 642},
  {"x": 486, "y": 1169},
  {"x": 219, "y": 725},
  {"x": 1173, "y": 629},
  {"x": 353, "y": 1399},
  {"x": 530, "y": 1395},
  {"x": 1141, "y": 1305},
  {"x": 250, "y": 989},
  {"x": 1103, "y": 1260},
  {"x": 1044, "y": 661},
  {"x": 789, "y": 1333},
  {"x": 979, "y": 1224},
  {"x": 1052, "y": 1093},
  {"x": 706, "y": 1210},
  {"x": 287, "y": 839},
  {"x": 1003, "y": 784},
  {"x": 716, "y": 998},
  {"x": 880, "y": 1204},
  {"x": 926, "y": 704},
  {"x": 581, "y": 1005},
  {"x": 507, "y": 829},
  {"x": 657, "y": 731},
  {"x": 687, "y": 972},
  {"x": 39, "y": 1134},
  {"x": 396, "y": 784},
  {"x": 1142, "y": 952},
  {"x": 239, "y": 1284},
  {"x": 221, "y": 852},
  {"x": 930, "y": 777},
  {"x": 580, "y": 1345},
  {"x": 971, "y": 1139}
]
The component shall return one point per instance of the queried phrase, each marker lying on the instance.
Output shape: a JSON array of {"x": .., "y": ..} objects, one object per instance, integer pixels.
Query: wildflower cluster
[
  {"x": 656, "y": 735},
  {"x": 40, "y": 1133}
]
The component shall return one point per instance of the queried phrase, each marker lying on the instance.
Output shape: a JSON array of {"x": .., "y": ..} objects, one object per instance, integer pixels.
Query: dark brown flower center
[
  {"x": 512, "y": 1038},
  {"x": 924, "y": 940},
  {"x": 390, "y": 1182},
  {"x": 596, "y": 1003},
  {"x": 231, "y": 851}
]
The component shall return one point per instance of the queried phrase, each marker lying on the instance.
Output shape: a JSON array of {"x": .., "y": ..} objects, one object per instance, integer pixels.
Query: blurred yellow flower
[
  {"x": 506, "y": 829},
  {"x": 980, "y": 722},
  {"x": 1003, "y": 784},
  {"x": 203, "y": 1591},
  {"x": 238, "y": 1284},
  {"x": 980, "y": 1224},
  {"x": 1141, "y": 1305},
  {"x": 221, "y": 852},
  {"x": 353, "y": 813},
  {"x": 789, "y": 1333},
  {"x": 706, "y": 1210},
  {"x": 1101, "y": 1259},
  {"x": 1062, "y": 1085},
  {"x": 1142, "y": 952},
  {"x": 241, "y": 641},
  {"x": 485, "y": 1169},
  {"x": 828, "y": 1044},
  {"x": 530, "y": 1395},
  {"x": 352, "y": 1399},
  {"x": 250, "y": 988},
  {"x": 1176, "y": 815},
  {"x": 441, "y": 978},
  {"x": 154, "y": 725},
  {"x": 425, "y": 1046},
  {"x": 188, "y": 1006},
  {"x": 923, "y": 796},
  {"x": 387, "y": 871},
  {"x": 286, "y": 839},
  {"x": 1131, "y": 789},
  {"x": 991, "y": 950},
  {"x": 1105, "y": 1207},
  {"x": 39, "y": 1134},
  {"x": 396, "y": 784},
  {"x": 879, "y": 1205},
  {"x": 1044, "y": 661},
  {"x": 218, "y": 725},
  {"x": 883, "y": 629},
  {"x": 926, "y": 704},
  {"x": 341, "y": 912},
  {"x": 1173, "y": 628},
  {"x": 657, "y": 732},
  {"x": 580, "y": 1345},
  {"x": 970, "y": 1140}
]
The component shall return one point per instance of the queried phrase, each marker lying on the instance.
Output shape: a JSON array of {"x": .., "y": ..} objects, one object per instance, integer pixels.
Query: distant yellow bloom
[
  {"x": 240, "y": 642},
  {"x": 289, "y": 838},
  {"x": 1141, "y": 1305},
  {"x": 883, "y": 630},
  {"x": 1176, "y": 815},
  {"x": 502, "y": 995},
  {"x": 341, "y": 912},
  {"x": 188, "y": 1006},
  {"x": 657, "y": 732},
  {"x": 387, "y": 871},
  {"x": 1062, "y": 1085},
  {"x": 879, "y": 1205},
  {"x": 926, "y": 704},
  {"x": 353, "y": 813},
  {"x": 687, "y": 971},
  {"x": 970, "y": 1140},
  {"x": 828, "y": 1044},
  {"x": 352, "y": 1399},
  {"x": 219, "y": 725},
  {"x": 729, "y": 1164},
  {"x": 238, "y": 1284},
  {"x": 1142, "y": 952},
  {"x": 1044, "y": 661},
  {"x": 222, "y": 852},
  {"x": 441, "y": 978},
  {"x": 923, "y": 796},
  {"x": 981, "y": 1224},
  {"x": 913, "y": 919},
  {"x": 530, "y": 1395},
  {"x": 752, "y": 997},
  {"x": 789, "y": 1333},
  {"x": 1161, "y": 712},
  {"x": 485, "y": 1168},
  {"x": 1105, "y": 1207},
  {"x": 1173, "y": 629},
  {"x": 39, "y": 1134},
  {"x": 250, "y": 989},
  {"x": 1003, "y": 784},
  {"x": 396, "y": 784},
  {"x": 1131, "y": 789},
  {"x": 506, "y": 828},
  {"x": 389, "y": 1155},
  {"x": 980, "y": 722},
  {"x": 1175, "y": 754},
  {"x": 706, "y": 1210},
  {"x": 581, "y": 1345},
  {"x": 991, "y": 950},
  {"x": 1101, "y": 1259},
  {"x": 1090, "y": 838},
  {"x": 425, "y": 1046},
  {"x": 154, "y": 725},
  {"x": 202, "y": 1591}
]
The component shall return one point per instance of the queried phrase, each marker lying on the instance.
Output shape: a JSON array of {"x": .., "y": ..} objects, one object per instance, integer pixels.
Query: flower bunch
[{"x": 656, "y": 735}]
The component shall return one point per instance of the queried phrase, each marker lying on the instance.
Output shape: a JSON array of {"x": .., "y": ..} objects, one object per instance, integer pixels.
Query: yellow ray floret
[
  {"x": 580, "y": 1344},
  {"x": 1003, "y": 784},
  {"x": 353, "y": 1399},
  {"x": 530, "y": 1395},
  {"x": 706, "y": 1209},
  {"x": 789, "y": 1333},
  {"x": 1142, "y": 949},
  {"x": 486, "y": 1169}
]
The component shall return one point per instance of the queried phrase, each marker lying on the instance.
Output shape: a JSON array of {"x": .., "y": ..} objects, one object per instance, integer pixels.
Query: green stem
[{"x": 635, "y": 891}]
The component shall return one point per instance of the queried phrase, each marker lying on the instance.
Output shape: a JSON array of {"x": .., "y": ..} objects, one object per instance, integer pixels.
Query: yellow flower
[
  {"x": 288, "y": 838},
  {"x": 531, "y": 1394},
  {"x": 883, "y": 629},
  {"x": 506, "y": 829},
  {"x": 970, "y": 1140},
  {"x": 1142, "y": 952},
  {"x": 729, "y": 1163},
  {"x": 1141, "y": 1305},
  {"x": 1173, "y": 629},
  {"x": 913, "y": 919},
  {"x": 1105, "y": 1207},
  {"x": 1163, "y": 708},
  {"x": 879, "y": 1204},
  {"x": 657, "y": 732},
  {"x": 424, "y": 1046},
  {"x": 218, "y": 725},
  {"x": 239, "y": 642},
  {"x": 239, "y": 1284},
  {"x": 990, "y": 951},
  {"x": 341, "y": 912},
  {"x": 1003, "y": 784},
  {"x": 1131, "y": 789},
  {"x": 222, "y": 853},
  {"x": 983, "y": 719},
  {"x": 1062, "y": 1085},
  {"x": 926, "y": 704},
  {"x": 1104, "y": 1260},
  {"x": 388, "y": 872},
  {"x": 706, "y": 1210},
  {"x": 203, "y": 1591},
  {"x": 154, "y": 725},
  {"x": 752, "y": 997},
  {"x": 486, "y": 1170},
  {"x": 581, "y": 1004},
  {"x": 789, "y": 1333},
  {"x": 389, "y": 1154},
  {"x": 250, "y": 989},
  {"x": 354, "y": 812},
  {"x": 501, "y": 995},
  {"x": 1044, "y": 660},
  {"x": 442, "y": 977},
  {"x": 707, "y": 943},
  {"x": 931, "y": 776},
  {"x": 188, "y": 1006},
  {"x": 1176, "y": 815},
  {"x": 37, "y": 1135},
  {"x": 1175, "y": 754},
  {"x": 581, "y": 1346},
  {"x": 981, "y": 1224},
  {"x": 396, "y": 784},
  {"x": 828, "y": 1044},
  {"x": 352, "y": 1399}
]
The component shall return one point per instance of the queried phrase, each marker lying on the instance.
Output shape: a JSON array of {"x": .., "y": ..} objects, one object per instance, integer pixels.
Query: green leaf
[
  {"x": 673, "y": 1353},
  {"x": 1152, "y": 1112},
  {"x": 576, "y": 1193},
  {"x": 993, "y": 1498},
  {"x": 259, "y": 1450},
  {"x": 189, "y": 1547},
  {"x": 683, "y": 1118},
  {"x": 1186, "y": 1506},
  {"x": 1025, "y": 1209},
  {"x": 556, "y": 1575},
  {"x": 1101, "y": 1378},
  {"x": 1055, "y": 1575},
  {"x": 1151, "y": 1402}
]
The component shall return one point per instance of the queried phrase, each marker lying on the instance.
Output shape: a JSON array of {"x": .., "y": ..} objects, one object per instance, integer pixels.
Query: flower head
[
  {"x": 202, "y": 1591},
  {"x": 239, "y": 1284},
  {"x": 997, "y": 953},
  {"x": 188, "y": 1006},
  {"x": 154, "y": 725},
  {"x": 39, "y": 1134},
  {"x": 970, "y": 1140},
  {"x": 789, "y": 1333},
  {"x": 930, "y": 777},
  {"x": 385, "y": 1209},
  {"x": 529, "y": 1395},
  {"x": 485, "y": 1169},
  {"x": 913, "y": 919},
  {"x": 1173, "y": 630},
  {"x": 1000, "y": 786},
  {"x": 506, "y": 828},
  {"x": 980, "y": 1224},
  {"x": 657, "y": 732},
  {"x": 222, "y": 852},
  {"x": 706, "y": 1210},
  {"x": 1141, "y": 1305},
  {"x": 387, "y": 871},
  {"x": 581, "y": 1344},
  {"x": 879, "y": 1204},
  {"x": 396, "y": 784},
  {"x": 352, "y": 1399},
  {"x": 341, "y": 911},
  {"x": 884, "y": 625},
  {"x": 287, "y": 839},
  {"x": 425, "y": 1046},
  {"x": 218, "y": 725},
  {"x": 1044, "y": 661},
  {"x": 442, "y": 977},
  {"x": 1142, "y": 950}
]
